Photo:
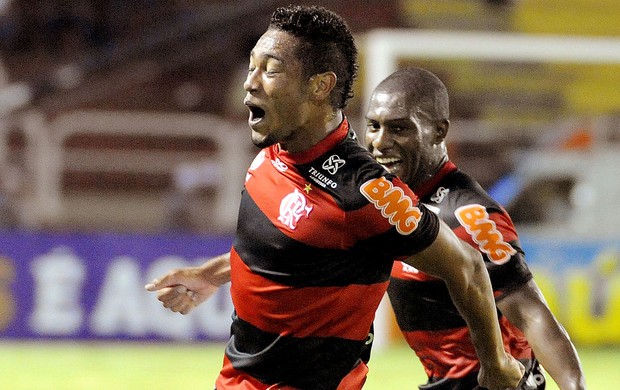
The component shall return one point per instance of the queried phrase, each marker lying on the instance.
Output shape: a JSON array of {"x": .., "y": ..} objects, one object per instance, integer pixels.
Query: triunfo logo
[
  {"x": 332, "y": 164},
  {"x": 321, "y": 179},
  {"x": 292, "y": 208},
  {"x": 475, "y": 219},
  {"x": 393, "y": 203}
]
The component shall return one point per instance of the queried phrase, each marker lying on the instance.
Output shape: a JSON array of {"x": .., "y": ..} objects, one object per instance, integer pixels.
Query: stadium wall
[{"x": 89, "y": 286}]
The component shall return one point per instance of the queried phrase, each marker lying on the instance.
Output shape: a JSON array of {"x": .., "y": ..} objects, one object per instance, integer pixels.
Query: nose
[
  {"x": 251, "y": 81},
  {"x": 381, "y": 139}
]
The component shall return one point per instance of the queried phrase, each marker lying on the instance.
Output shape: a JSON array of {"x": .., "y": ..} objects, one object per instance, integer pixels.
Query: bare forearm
[
  {"x": 559, "y": 358},
  {"x": 473, "y": 297},
  {"x": 463, "y": 270},
  {"x": 217, "y": 270},
  {"x": 527, "y": 310}
]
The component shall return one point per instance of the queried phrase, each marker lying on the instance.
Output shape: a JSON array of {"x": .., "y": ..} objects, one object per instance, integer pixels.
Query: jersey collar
[{"x": 430, "y": 186}]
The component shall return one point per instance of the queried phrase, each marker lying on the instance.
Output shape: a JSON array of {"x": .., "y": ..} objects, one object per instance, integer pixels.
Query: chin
[
  {"x": 396, "y": 171},
  {"x": 262, "y": 141}
]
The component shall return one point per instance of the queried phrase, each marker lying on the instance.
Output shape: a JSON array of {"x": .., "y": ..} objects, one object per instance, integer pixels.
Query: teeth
[{"x": 387, "y": 160}]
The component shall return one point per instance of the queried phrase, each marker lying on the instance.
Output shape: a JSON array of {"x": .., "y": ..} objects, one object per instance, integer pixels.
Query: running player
[
  {"x": 320, "y": 223},
  {"x": 407, "y": 123}
]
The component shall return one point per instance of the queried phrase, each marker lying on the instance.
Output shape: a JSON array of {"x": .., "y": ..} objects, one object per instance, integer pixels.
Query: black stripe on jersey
[
  {"x": 264, "y": 249},
  {"x": 361, "y": 167},
  {"x": 293, "y": 361},
  {"x": 511, "y": 274},
  {"x": 423, "y": 305},
  {"x": 391, "y": 243}
]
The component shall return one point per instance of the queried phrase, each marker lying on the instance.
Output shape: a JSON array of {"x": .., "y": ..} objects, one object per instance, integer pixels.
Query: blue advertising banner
[
  {"x": 564, "y": 255},
  {"x": 91, "y": 286}
]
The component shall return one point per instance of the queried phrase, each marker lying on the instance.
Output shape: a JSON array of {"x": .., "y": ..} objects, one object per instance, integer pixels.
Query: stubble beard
[{"x": 264, "y": 142}]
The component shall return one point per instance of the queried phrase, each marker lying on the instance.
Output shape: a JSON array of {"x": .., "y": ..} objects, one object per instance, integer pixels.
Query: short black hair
[
  {"x": 423, "y": 89},
  {"x": 326, "y": 44}
]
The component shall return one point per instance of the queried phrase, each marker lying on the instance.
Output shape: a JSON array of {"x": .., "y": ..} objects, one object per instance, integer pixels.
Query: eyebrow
[
  {"x": 397, "y": 121},
  {"x": 268, "y": 55}
]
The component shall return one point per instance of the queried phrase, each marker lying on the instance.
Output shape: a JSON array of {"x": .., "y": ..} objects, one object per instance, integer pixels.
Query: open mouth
[
  {"x": 256, "y": 114},
  {"x": 390, "y": 163}
]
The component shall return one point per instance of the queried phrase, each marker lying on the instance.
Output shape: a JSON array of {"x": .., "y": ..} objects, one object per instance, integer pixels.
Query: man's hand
[
  {"x": 507, "y": 376},
  {"x": 182, "y": 289}
]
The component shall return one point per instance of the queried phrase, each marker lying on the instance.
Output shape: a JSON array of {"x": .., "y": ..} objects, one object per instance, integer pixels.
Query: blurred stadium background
[{"x": 124, "y": 144}]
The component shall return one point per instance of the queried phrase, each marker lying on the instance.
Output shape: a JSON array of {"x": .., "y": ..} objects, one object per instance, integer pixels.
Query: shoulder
[
  {"x": 460, "y": 189},
  {"x": 343, "y": 170}
]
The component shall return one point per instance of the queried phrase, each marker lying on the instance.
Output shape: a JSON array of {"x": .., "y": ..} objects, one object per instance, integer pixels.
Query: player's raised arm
[
  {"x": 182, "y": 289},
  {"x": 463, "y": 270}
]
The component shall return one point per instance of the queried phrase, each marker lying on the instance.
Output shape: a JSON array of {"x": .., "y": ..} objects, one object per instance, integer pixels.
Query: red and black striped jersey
[
  {"x": 316, "y": 237},
  {"x": 424, "y": 310}
]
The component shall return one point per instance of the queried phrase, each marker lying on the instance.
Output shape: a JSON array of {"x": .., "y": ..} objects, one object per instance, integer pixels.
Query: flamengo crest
[{"x": 292, "y": 208}]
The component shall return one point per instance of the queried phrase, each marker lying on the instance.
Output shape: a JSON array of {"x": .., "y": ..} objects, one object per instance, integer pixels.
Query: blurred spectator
[
  {"x": 8, "y": 216},
  {"x": 10, "y": 183},
  {"x": 192, "y": 199}
]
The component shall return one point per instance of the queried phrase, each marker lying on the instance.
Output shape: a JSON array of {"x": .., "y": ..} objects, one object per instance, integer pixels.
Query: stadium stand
[{"x": 128, "y": 64}]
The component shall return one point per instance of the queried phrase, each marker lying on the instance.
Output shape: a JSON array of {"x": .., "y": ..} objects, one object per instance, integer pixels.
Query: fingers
[
  {"x": 177, "y": 298},
  {"x": 173, "y": 293},
  {"x": 152, "y": 286},
  {"x": 158, "y": 284}
]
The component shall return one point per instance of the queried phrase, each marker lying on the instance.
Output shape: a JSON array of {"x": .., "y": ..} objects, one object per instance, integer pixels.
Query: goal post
[{"x": 384, "y": 47}]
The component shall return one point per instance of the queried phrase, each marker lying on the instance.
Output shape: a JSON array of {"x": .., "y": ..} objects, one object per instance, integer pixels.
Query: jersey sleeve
[
  {"x": 394, "y": 218},
  {"x": 491, "y": 231}
]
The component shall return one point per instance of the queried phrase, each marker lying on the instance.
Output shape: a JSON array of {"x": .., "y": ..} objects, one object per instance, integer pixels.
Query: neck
[
  {"x": 315, "y": 134},
  {"x": 333, "y": 124},
  {"x": 421, "y": 185}
]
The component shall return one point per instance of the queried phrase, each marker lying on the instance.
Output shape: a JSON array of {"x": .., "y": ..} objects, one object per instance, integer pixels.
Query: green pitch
[{"x": 138, "y": 366}]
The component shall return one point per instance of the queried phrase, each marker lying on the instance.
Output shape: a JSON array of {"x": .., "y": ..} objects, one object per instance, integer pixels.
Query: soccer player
[
  {"x": 407, "y": 124},
  {"x": 319, "y": 226}
]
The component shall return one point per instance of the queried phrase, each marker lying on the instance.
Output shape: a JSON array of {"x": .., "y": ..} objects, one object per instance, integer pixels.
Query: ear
[
  {"x": 322, "y": 84},
  {"x": 441, "y": 130}
]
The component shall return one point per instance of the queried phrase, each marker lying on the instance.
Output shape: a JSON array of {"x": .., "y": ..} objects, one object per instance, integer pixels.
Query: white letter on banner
[
  {"x": 58, "y": 277},
  {"x": 119, "y": 309},
  {"x": 161, "y": 321}
]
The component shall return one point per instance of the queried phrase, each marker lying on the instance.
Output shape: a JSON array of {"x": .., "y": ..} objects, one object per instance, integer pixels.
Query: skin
[
  {"x": 182, "y": 289},
  {"x": 527, "y": 309},
  {"x": 410, "y": 142},
  {"x": 296, "y": 113}
]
